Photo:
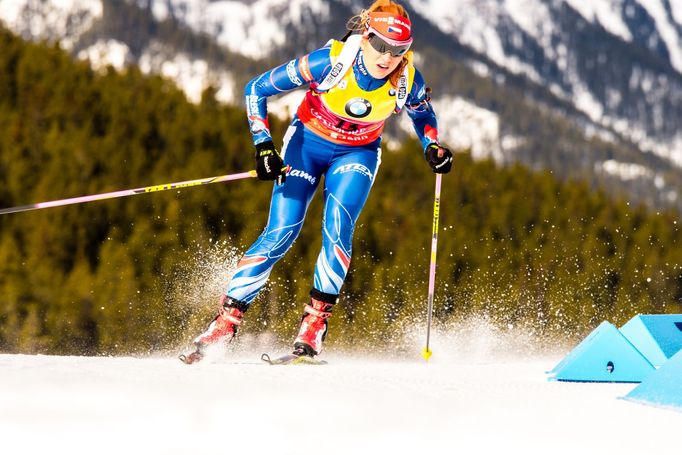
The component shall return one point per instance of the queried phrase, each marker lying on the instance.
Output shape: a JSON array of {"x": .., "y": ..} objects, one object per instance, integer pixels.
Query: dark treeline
[{"x": 516, "y": 246}]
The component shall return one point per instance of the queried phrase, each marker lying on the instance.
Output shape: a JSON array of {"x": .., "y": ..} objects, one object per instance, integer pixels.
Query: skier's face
[{"x": 379, "y": 64}]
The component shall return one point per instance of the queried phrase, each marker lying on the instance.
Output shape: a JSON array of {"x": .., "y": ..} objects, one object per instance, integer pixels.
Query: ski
[
  {"x": 292, "y": 359},
  {"x": 288, "y": 359}
]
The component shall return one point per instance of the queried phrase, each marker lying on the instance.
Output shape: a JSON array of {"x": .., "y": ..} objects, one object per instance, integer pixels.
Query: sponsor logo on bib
[{"x": 358, "y": 108}]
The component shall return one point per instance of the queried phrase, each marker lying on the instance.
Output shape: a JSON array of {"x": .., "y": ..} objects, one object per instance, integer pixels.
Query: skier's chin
[{"x": 379, "y": 72}]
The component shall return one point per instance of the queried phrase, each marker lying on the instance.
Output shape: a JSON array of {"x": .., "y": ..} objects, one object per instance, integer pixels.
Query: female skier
[{"x": 354, "y": 86}]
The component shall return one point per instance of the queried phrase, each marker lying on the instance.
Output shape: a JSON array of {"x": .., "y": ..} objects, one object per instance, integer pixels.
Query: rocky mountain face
[{"x": 589, "y": 90}]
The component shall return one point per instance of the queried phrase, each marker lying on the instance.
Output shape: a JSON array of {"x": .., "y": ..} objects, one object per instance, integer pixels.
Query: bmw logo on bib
[{"x": 358, "y": 108}]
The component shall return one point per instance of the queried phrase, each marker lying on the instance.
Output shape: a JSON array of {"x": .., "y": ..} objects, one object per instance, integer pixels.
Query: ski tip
[
  {"x": 183, "y": 358},
  {"x": 284, "y": 360},
  {"x": 266, "y": 358},
  {"x": 193, "y": 357},
  {"x": 427, "y": 353}
]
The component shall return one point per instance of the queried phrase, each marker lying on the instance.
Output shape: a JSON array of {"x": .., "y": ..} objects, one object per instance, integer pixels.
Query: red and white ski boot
[
  {"x": 314, "y": 324},
  {"x": 223, "y": 328}
]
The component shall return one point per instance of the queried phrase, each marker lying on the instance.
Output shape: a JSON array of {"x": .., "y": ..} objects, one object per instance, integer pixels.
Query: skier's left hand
[{"x": 439, "y": 158}]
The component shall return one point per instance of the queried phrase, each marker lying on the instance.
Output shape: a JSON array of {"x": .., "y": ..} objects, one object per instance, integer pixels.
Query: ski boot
[
  {"x": 313, "y": 328},
  {"x": 223, "y": 328}
]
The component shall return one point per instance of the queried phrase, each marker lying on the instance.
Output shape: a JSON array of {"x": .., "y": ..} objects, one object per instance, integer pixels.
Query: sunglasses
[{"x": 382, "y": 46}]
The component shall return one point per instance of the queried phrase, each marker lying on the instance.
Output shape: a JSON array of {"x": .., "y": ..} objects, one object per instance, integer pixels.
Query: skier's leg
[
  {"x": 347, "y": 184},
  {"x": 287, "y": 211}
]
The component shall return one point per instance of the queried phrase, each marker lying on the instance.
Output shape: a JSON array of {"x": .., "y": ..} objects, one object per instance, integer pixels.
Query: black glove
[
  {"x": 269, "y": 164},
  {"x": 439, "y": 158}
]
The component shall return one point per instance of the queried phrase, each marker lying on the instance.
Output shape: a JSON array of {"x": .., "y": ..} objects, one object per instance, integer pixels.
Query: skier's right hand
[
  {"x": 269, "y": 164},
  {"x": 439, "y": 158}
]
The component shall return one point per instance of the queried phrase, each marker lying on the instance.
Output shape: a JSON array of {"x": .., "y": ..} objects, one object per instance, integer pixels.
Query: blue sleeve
[
  {"x": 421, "y": 112},
  {"x": 293, "y": 74}
]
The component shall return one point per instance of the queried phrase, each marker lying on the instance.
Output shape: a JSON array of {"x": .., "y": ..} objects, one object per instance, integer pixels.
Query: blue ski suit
[{"x": 338, "y": 138}]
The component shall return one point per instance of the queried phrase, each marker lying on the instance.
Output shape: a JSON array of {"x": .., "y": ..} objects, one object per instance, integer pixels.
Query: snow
[
  {"x": 192, "y": 75},
  {"x": 286, "y": 105},
  {"x": 480, "y": 403},
  {"x": 606, "y": 12},
  {"x": 609, "y": 13},
  {"x": 109, "y": 52},
  {"x": 670, "y": 149},
  {"x": 626, "y": 171},
  {"x": 462, "y": 18},
  {"x": 676, "y": 9},
  {"x": 249, "y": 28},
  {"x": 538, "y": 24},
  {"x": 254, "y": 28},
  {"x": 667, "y": 30},
  {"x": 474, "y": 23},
  {"x": 57, "y": 19},
  {"x": 585, "y": 101},
  {"x": 463, "y": 125}
]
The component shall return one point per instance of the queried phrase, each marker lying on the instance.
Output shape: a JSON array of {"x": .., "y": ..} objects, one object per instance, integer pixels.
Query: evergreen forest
[{"x": 143, "y": 274}]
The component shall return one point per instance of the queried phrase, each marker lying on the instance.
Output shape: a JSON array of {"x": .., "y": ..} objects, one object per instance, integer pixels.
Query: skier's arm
[
  {"x": 421, "y": 112},
  {"x": 293, "y": 74},
  {"x": 425, "y": 124}
]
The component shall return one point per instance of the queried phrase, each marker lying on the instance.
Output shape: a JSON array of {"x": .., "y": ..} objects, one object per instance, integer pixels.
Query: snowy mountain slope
[
  {"x": 64, "y": 20},
  {"x": 488, "y": 404},
  {"x": 467, "y": 126},
  {"x": 528, "y": 37},
  {"x": 562, "y": 45},
  {"x": 654, "y": 24},
  {"x": 611, "y": 68},
  {"x": 252, "y": 28}
]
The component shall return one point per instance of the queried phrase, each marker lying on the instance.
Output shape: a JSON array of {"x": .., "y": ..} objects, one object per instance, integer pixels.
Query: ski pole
[
  {"x": 122, "y": 193},
  {"x": 426, "y": 352}
]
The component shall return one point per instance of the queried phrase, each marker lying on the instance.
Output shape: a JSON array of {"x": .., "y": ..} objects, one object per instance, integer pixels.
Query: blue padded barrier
[
  {"x": 663, "y": 388},
  {"x": 605, "y": 355},
  {"x": 657, "y": 336}
]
